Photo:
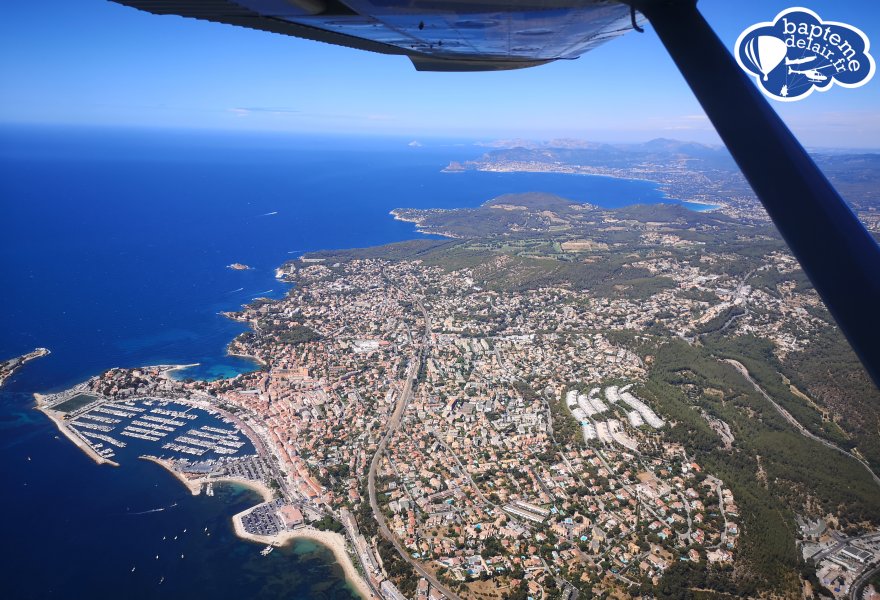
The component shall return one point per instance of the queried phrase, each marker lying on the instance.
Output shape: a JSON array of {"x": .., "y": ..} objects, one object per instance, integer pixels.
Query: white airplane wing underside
[{"x": 437, "y": 36}]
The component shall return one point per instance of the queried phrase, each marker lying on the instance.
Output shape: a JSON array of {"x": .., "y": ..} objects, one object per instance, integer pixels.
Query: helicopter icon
[{"x": 812, "y": 74}]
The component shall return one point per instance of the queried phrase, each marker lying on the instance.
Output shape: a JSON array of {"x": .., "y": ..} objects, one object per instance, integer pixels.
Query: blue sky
[{"x": 93, "y": 62}]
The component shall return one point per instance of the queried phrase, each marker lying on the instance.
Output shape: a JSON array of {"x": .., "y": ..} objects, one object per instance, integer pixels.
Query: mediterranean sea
[{"x": 115, "y": 245}]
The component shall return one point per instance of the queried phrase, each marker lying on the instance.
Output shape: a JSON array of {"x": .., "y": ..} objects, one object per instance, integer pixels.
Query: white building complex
[{"x": 647, "y": 414}]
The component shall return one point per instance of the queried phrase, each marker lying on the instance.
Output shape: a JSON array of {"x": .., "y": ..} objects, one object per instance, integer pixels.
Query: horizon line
[{"x": 483, "y": 140}]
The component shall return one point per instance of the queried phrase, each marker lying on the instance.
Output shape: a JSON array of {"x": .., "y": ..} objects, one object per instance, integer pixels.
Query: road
[
  {"x": 687, "y": 512},
  {"x": 718, "y": 487},
  {"x": 575, "y": 473},
  {"x": 462, "y": 472},
  {"x": 857, "y": 586},
  {"x": 629, "y": 489},
  {"x": 393, "y": 424},
  {"x": 739, "y": 293},
  {"x": 841, "y": 542},
  {"x": 794, "y": 422}
]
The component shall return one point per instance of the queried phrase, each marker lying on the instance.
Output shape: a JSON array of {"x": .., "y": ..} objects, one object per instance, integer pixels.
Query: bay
[{"x": 115, "y": 245}]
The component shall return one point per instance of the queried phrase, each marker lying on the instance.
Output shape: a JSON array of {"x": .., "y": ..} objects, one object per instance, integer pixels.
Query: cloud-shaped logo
[{"x": 798, "y": 52}]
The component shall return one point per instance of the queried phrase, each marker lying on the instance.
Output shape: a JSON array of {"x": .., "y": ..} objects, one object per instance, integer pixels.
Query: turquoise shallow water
[
  {"x": 229, "y": 368},
  {"x": 115, "y": 246}
]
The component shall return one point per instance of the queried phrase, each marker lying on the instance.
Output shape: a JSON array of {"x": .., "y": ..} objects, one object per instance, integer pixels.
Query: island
[
  {"x": 238, "y": 267},
  {"x": 555, "y": 400},
  {"x": 9, "y": 367}
]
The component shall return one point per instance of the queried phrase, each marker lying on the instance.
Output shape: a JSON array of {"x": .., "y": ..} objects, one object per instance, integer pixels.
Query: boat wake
[
  {"x": 269, "y": 214},
  {"x": 153, "y": 510},
  {"x": 261, "y": 293}
]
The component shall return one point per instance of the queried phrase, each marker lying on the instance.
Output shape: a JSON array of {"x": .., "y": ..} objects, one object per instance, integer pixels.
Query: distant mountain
[
  {"x": 581, "y": 152},
  {"x": 684, "y": 168},
  {"x": 656, "y": 145}
]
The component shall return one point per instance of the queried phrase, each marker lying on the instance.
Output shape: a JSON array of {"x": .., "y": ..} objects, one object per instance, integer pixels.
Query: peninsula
[{"x": 9, "y": 367}]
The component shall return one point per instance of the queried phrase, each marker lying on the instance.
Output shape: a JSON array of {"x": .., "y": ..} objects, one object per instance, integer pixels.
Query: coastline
[
  {"x": 195, "y": 485},
  {"x": 395, "y": 212},
  {"x": 87, "y": 450},
  {"x": 418, "y": 225},
  {"x": 247, "y": 357},
  {"x": 177, "y": 372},
  {"x": 9, "y": 367},
  {"x": 335, "y": 542},
  {"x": 662, "y": 186},
  {"x": 169, "y": 373}
]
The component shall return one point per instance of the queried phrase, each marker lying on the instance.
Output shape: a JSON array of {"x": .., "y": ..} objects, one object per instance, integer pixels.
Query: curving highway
[
  {"x": 794, "y": 422},
  {"x": 393, "y": 424}
]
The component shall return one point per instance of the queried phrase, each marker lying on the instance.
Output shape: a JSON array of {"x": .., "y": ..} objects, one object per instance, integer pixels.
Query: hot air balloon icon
[{"x": 765, "y": 52}]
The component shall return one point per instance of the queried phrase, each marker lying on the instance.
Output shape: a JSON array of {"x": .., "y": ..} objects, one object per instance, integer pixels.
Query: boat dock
[{"x": 100, "y": 423}]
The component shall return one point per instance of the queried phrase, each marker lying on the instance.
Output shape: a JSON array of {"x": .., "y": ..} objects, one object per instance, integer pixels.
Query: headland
[{"x": 9, "y": 367}]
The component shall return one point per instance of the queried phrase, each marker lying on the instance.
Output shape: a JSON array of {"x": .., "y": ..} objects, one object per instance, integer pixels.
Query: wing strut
[{"x": 838, "y": 254}]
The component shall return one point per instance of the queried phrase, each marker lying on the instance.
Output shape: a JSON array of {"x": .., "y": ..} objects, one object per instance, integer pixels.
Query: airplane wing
[
  {"x": 837, "y": 253},
  {"x": 435, "y": 35}
]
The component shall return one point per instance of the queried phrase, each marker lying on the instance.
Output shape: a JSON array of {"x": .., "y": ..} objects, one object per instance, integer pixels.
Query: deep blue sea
[{"x": 114, "y": 246}]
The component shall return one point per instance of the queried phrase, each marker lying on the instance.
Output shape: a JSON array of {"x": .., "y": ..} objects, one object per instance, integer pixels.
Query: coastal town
[
  {"x": 471, "y": 485},
  {"x": 451, "y": 441},
  {"x": 336, "y": 300},
  {"x": 685, "y": 171},
  {"x": 554, "y": 400}
]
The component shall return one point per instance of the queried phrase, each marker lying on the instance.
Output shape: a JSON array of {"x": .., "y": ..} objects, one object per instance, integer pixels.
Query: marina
[{"x": 166, "y": 428}]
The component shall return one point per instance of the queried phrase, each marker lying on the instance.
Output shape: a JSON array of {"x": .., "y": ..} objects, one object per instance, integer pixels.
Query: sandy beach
[
  {"x": 195, "y": 485},
  {"x": 191, "y": 484},
  {"x": 258, "y": 486},
  {"x": 334, "y": 541},
  {"x": 169, "y": 373},
  {"x": 256, "y": 359}
]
